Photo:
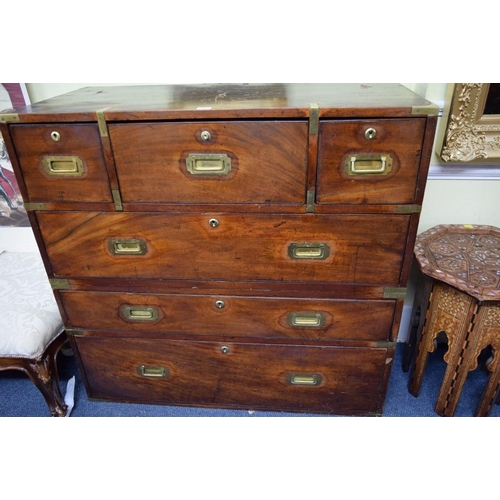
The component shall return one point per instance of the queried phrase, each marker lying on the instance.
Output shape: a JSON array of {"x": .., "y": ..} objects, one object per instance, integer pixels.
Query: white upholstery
[{"x": 29, "y": 317}]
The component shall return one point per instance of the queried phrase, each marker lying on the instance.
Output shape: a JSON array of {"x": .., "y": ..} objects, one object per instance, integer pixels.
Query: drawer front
[
  {"x": 62, "y": 162},
  {"x": 231, "y": 316},
  {"x": 307, "y": 378},
  {"x": 369, "y": 162},
  {"x": 215, "y": 162},
  {"x": 364, "y": 249}
]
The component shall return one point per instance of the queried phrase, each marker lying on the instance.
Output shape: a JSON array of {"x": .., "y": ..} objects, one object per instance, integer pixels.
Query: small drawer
[
  {"x": 62, "y": 162},
  {"x": 260, "y": 376},
  {"x": 361, "y": 249},
  {"x": 258, "y": 317},
  {"x": 369, "y": 161},
  {"x": 214, "y": 162}
]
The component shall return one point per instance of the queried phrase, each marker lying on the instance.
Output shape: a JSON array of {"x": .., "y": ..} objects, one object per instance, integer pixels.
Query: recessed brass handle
[
  {"x": 368, "y": 164},
  {"x": 59, "y": 166},
  {"x": 308, "y": 251},
  {"x": 153, "y": 371},
  {"x": 309, "y": 379},
  {"x": 140, "y": 313},
  {"x": 306, "y": 319},
  {"x": 127, "y": 246},
  {"x": 208, "y": 164}
]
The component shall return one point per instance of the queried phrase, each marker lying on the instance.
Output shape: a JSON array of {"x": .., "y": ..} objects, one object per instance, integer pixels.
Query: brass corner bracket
[
  {"x": 314, "y": 119},
  {"x": 9, "y": 117},
  {"x": 101, "y": 122},
  {"x": 430, "y": 109},
  {"x": 59, "y": 283},
  {"x": 394, "y": 293}
]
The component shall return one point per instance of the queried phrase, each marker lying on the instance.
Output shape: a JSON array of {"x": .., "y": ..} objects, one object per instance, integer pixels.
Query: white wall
[{"x": 454, "y": 195}]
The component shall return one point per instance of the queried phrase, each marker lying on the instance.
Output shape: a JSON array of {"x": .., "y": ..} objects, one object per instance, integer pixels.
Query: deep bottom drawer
[{"x": 233, "y": 375}]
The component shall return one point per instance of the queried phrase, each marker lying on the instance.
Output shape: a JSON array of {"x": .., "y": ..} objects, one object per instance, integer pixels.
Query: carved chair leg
[{"x": 44, "y": 374}]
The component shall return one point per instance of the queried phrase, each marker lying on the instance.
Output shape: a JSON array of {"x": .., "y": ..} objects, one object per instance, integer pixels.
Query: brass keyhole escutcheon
[
  {"x": 213, "y": 222},
  {"x": 370, "y": 133},
  {"x": 205, "y": 135},
  {"x": 220, "y": 304},
  {"x": 224, "y": 349},
  {"x": 56, "y": 136}
]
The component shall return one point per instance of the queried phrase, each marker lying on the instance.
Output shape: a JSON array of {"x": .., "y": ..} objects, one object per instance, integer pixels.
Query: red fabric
[{"x": 16, "y": 94}]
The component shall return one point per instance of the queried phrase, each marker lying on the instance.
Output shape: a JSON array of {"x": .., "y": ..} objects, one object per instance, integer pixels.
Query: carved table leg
[
  {"x": 487, "y": 329},
  {"x": 424, "y": 346},
  {"x": 450, "y": 311},
  {"x": 420, "y": 306},
  {"x": 459, "y": 354}
]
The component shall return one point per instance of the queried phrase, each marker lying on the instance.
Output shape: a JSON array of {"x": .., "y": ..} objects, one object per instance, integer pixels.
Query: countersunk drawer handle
[
  {"x": 208, "y": 164},
  {"x": 127, "y": 246},
  {"x": 308, "y": 379},
  {"x": 308, "y": 251},
  {"x": 63, "y": 166},
  {"x": 153, "y": 371},
  {"x": 380, "y": 164},
  {"x": 306, "y": 319},
  {"x": 140, "y": 313}
]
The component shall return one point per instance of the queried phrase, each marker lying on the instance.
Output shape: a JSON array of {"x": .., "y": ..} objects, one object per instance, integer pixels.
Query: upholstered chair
[{"x": 31, "y": 329}]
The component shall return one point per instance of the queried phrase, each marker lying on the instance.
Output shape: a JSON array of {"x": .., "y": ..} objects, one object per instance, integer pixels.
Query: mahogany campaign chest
[{"x": 234, "y": 246}]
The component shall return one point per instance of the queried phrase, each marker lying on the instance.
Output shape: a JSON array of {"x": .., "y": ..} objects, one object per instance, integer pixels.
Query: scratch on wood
[{"x": 221, "y": 95}]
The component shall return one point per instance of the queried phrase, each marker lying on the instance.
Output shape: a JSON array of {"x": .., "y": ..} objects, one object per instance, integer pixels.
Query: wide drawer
[
  {"x": 278, "y": 377},
  {"x": 213, "y": 162},
  {"x": 365, "y": 249},
  {"x": 62, "y": 162},
  {"x": 234, "y": 316},
  {"x": 369, "y": 161}
]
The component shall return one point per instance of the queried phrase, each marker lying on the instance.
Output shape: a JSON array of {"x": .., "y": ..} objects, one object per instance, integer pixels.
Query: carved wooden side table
[{"x": 458, "y": 294}]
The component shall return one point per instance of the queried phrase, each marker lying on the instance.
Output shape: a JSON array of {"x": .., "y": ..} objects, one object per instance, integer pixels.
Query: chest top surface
[
  {"x": 464, "y": 256},
  {"x": 212, "y": 101}
]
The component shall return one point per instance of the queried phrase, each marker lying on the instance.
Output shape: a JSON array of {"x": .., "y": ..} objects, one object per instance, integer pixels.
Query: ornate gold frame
[{"x": 470, "y": 134}]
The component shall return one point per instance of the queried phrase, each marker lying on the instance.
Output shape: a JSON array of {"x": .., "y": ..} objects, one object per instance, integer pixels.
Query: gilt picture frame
[{"x": 473, "y": 129}]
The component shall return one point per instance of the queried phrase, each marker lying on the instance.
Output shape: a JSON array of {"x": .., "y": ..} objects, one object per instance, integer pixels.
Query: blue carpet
[{"x": 20, "y": 398}]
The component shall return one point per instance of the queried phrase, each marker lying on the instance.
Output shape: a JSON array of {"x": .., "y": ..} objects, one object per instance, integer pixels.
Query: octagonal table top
[{"x": 464, "y": 256}]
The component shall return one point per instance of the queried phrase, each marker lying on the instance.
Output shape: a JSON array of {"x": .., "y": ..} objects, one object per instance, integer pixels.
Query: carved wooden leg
[
  {"x": 462, "y": 308},
  {"x": 424, "y": 346},
  {"x": 420, "y": 306},
  {"x": 43, "y": 372},
  {"x": 450, "y": 311},
  {"x": 488, "y": 331},
  {"x": 490, "y": 394}
]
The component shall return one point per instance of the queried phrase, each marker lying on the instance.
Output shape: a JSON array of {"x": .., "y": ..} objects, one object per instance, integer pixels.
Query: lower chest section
[{"x": 235, "y": 375}]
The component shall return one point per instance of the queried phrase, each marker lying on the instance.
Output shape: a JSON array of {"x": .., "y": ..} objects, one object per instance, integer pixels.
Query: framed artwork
[
  {"x": 12, "y": 213},
  {"x": 473, "y": 130}
]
